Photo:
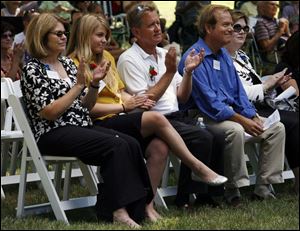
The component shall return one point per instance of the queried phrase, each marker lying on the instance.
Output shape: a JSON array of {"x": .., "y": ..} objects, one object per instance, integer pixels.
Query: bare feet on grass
[
  {"x": 151, "y": 213},
  {"x": 121, "y": 216}
]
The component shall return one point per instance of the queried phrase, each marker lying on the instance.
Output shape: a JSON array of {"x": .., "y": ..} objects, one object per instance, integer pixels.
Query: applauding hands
[
  {"x": 99, "y": 72},
  {"x": 193, "y": 60}
]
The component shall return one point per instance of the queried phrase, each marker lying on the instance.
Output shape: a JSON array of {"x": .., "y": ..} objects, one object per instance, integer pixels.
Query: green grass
[{"x": 282, "y": 213}]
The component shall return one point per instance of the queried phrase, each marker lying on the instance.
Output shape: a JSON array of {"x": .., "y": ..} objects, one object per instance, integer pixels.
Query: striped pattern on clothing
[{"x": 265, "y": 28}]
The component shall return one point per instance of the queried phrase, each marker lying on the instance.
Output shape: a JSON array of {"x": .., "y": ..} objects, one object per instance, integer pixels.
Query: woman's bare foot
[
  {"x": 151, "y": 213},
  {"x": 121, "y": 216}
]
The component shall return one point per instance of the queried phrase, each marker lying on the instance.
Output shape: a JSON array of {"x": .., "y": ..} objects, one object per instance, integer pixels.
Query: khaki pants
[{"x": 271, "y": 157}]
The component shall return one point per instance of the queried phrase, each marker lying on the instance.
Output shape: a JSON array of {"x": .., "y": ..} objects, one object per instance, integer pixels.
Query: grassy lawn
[{"x": 282, "y": 213}]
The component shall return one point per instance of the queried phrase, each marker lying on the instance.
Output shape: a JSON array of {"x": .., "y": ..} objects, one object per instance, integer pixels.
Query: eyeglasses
[
  {"x": 237, "y": 28},
  {"x": 9, "y": 35},
  {"x": 60, "y": 33}
]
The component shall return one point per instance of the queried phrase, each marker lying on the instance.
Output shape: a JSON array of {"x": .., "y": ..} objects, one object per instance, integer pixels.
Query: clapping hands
[
  {"x": 99, "y": 72},
  {"x": 193, "y": 60}
]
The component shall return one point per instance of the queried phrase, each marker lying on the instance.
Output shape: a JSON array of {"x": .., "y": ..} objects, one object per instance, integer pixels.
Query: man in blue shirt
[{"x": 219, "y": 96}]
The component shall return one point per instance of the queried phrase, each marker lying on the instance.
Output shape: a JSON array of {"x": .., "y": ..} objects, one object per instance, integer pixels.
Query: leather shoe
[
  {"x": 234, "y": 202},
  {"x": 215, "y": 182}
]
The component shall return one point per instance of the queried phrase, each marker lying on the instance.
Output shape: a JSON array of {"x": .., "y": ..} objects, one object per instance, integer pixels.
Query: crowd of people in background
[{"x": 80, "y": 81}]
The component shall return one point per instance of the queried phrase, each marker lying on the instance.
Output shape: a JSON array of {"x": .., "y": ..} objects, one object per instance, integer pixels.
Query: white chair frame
[{"x": 58, "y": 206}]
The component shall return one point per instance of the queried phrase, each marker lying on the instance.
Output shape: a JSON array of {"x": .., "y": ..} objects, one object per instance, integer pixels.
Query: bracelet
[
  {"x": 93, "y": 86},
  {"x": 124, "y": 110}
]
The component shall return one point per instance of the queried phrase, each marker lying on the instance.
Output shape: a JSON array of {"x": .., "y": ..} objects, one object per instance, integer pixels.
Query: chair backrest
[
  {"x": 8, "y": 87},
  {"x": 20, "y": 115}
]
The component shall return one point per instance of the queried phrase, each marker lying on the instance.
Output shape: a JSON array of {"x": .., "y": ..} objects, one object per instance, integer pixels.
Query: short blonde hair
[{"x": 37, "y": 34}]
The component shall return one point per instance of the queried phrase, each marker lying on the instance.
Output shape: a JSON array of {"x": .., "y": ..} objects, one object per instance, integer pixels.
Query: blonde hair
[
  {"x": 37, "y": 34},
  {"x": 80, "y": 42}
]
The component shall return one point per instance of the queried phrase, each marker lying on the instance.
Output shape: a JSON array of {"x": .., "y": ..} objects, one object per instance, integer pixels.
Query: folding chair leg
[
  {"x": 22, "y": 184},
  {"x": 50, "y": 191},
  {"x": 2, "y": 194},
  {"x": 90, "y": 177},
  {"x": 68, "y": 173},
  {"x": 4, "y": 157},
  {"x": 165, "y": 177},
  {"x": 159, "y": 199},
  {"x": 14, "y": 157},
  {"x": 57, "y": 177}
]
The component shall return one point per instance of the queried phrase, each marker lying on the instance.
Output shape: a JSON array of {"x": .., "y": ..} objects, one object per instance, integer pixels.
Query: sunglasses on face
[
  {"x": 8, "y": 35},
  {"x": 237, "y": 28},
  {"x": 60, "y": 33}
]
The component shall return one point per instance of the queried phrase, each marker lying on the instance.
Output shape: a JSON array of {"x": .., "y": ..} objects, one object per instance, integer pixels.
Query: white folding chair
[
  {"x": 252, "y": 150},
  {"x": 58, "y": 206},
  {"x": 11, "y": 134},
  {"x": 165, "y": 190}
]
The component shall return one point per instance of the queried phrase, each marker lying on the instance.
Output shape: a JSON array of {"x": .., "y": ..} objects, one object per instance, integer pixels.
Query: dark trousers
[
  {"x": 291, "y": 124},
  {"x": 207, "y": 146},
  {"x": 121, "y": 160}
]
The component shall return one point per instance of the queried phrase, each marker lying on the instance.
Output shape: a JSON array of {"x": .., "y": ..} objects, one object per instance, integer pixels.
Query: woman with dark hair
[{"x": 11, "y": 58}]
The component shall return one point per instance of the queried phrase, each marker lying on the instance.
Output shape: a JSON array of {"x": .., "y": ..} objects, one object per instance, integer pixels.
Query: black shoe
[
  {"x": 206, "y": 201},
  {"x": 182, "y": 201},
  {"x": 234, "y": 202}
]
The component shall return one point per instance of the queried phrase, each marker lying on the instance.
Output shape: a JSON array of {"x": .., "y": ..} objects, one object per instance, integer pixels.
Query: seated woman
[
  {"x": 88, "y": 40},
  {"x": 58, "y": 105},
  {"x": 11, "y": 58},
  {"x": 257, "y": 90}
]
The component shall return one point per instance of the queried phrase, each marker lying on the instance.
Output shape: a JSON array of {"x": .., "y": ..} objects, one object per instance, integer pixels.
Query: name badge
[
  {"x": 216, "y": 65},
  {"x": 102, "y": 84},
  {"x": 52, "y": 74}
]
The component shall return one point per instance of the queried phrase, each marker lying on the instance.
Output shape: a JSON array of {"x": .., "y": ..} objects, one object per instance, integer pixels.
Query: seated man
[
  {"x": 220, "y": 96},
  {"x": 146, "y": 68}
]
